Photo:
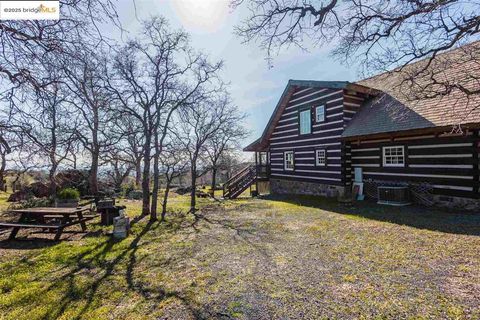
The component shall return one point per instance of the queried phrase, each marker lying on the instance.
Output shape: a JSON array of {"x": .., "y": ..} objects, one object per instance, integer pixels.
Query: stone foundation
[
  {"x": 280, "y": 186},
  {"x": 456, "y": 203}
]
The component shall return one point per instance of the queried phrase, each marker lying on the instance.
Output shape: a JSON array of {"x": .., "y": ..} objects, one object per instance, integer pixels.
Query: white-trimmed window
[
  {"x": 288, "y": 161},
  {"x": 305, "y": 122},
  {"x": 321, "y": 157},
  {"x": 320, "y": 113},
  {"x": 394, "y": 156}
]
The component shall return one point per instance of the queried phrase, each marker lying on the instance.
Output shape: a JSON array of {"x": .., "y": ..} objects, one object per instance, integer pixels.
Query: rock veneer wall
[
  {"x": 456, "y": 203},
  {"x": 280, "y": 186}
]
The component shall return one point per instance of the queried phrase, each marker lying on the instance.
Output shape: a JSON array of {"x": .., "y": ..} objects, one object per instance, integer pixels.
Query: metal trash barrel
[{"x": 108, "y": 210}]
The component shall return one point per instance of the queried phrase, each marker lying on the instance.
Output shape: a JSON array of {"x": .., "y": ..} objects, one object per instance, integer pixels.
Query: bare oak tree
[
  {"x": 225, "y": 140},
  {"x": 197, "y": 125},
  {"x": 174, "y": 162},
  {"x": 44, "y": 122},
  {"x": 381, "y": 35},
  {"x": 158, "y": 72},
  {"x": 84, "y": 73},
  {"x": 119, "y": 167},
  {"x": 25, "y": 42},
  {"x": 132, "y": 144}
]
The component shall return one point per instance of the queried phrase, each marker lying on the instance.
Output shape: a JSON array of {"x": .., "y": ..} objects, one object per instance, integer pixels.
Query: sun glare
[{"x": 201, "y": 15}]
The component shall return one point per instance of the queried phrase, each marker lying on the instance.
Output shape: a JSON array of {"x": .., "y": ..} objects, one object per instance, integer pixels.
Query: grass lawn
[
  {"x": 279, "y": 257},
  {"x": 3, "y": 200}
]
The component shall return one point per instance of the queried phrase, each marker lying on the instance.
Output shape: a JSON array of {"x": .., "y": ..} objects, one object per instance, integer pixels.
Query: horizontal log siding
[
  {"x": 351, "y": 105},
  {"x": 324, "y": 135},
  {"x": 449, "y": 163}
]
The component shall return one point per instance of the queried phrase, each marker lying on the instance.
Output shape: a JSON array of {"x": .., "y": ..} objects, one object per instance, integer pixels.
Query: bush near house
[
  {"x": 77, "y": 179},
  {"x": 68, "y": 194}
]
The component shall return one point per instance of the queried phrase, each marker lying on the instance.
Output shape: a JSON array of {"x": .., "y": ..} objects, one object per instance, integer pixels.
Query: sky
[{"x": 255, "y": 87}]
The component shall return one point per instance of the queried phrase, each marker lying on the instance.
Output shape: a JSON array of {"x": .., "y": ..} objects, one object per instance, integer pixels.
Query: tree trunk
[
  {"x": 165, "y": 199},
  {"x": 2, "y": 172},
  {"x": 214, "y": 180},
  {"x": 138, "y": 172},
  {"x": 146, "y": 174},
  {"x": 52, "y": 156},
  {"x": 193, "y": 181},
  {"x": 51, "y": 178},
  {"x": 74, "y": 156},
  {"x": 156, "y": 178},
  {"x": 93, "y": 179},
  {"x": 118, "y": 177}
]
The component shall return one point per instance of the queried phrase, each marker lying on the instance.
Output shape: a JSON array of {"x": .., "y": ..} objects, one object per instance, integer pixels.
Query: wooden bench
[
  {"x": 17, "y": 226},
  {"x": 41, "y": 217}
]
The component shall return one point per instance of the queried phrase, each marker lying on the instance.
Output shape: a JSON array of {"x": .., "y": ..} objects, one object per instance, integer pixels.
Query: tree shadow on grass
[
  {"x": 77, "y": 282},
  {"x": 36, "y": 239},
  {"x": 101, "y": 262},
  {"x": 26, "y": 244},
  {"x": 448, "y": 221},
  {"x": 243, "y": 230}
]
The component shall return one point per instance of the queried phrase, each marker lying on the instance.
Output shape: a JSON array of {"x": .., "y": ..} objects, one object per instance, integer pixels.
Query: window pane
[
  {"x": 305, "y": 122},
  {"x": 320, "y": 157},
  {"x": 320, "y": 113},
  {"x": 289, "y": 161},
  {"x": 394, "y": 156}
]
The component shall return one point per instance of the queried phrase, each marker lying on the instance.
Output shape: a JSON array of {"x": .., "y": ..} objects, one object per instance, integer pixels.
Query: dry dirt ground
[{"x": 275, "y": 258}]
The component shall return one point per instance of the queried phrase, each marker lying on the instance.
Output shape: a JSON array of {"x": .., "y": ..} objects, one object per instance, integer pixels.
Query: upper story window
[
  {"x": 320, "y": 113},
  {"x": 288, "y": 160},
  {"x": 305, "y": 122},
  {"x": 394, "y": 156},
  {"x": 321, "y": 157}
]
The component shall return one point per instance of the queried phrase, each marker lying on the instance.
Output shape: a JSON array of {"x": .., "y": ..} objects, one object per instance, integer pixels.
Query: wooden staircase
[{"x": 240, "y": 182}]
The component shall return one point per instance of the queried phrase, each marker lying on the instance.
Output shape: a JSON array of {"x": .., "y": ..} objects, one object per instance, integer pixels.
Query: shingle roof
[{"x": 407, "y": 105}]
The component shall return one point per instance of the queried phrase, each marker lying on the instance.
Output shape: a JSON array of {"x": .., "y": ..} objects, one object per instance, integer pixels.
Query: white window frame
[
  {"x": 309, "y": 112},
  {"x": 323, "y": 113},
  {"x": 324, "y": 157},
  {"x": 397, "y": 165},
  {"x": 285, "y": 161}
]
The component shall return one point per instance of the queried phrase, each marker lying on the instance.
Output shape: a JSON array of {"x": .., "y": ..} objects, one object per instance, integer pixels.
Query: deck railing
[{"x": 244, "y": 179}]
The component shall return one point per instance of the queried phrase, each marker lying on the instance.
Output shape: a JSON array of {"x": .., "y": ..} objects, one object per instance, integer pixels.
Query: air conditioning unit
[{"x": 394, "y": 196}]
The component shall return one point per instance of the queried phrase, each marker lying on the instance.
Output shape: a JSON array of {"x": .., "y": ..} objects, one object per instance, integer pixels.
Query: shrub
[
  {"x": 73, "y": 178},
  {"x": 68, "y": 194},
  {"x": 30, "y": 203},
  {"x": 127, "y": 188},
  {"x": 135, "y": 194}
]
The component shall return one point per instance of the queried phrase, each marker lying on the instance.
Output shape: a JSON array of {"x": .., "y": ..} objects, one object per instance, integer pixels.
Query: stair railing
[{"x": 238, "y": 181}]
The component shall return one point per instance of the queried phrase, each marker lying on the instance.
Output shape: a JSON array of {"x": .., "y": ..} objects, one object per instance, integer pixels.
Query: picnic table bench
[{"x": 49, "y": 219}]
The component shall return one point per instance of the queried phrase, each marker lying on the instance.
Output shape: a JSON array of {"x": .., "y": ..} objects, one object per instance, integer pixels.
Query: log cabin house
[{"x": 321, "y": 131}]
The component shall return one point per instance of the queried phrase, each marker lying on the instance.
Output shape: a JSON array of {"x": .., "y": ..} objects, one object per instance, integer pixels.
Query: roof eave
[
  {"x": 407, "y": 132},
  {"x": 363, "y": 89},
  {"x": 255, "y": 146}
]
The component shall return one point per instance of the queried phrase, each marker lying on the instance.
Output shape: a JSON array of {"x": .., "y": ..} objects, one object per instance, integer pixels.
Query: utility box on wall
[{"x": 358, "y": 174}]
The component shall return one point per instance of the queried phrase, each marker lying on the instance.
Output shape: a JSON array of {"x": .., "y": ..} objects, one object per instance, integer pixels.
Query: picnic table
[{"x": 49, "y": 219}]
